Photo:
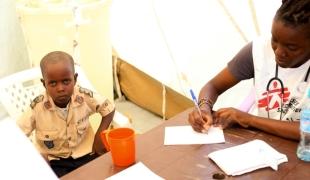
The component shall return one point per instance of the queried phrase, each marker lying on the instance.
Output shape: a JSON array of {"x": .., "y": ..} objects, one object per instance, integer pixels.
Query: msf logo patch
[{"x": 274, "y": 97}]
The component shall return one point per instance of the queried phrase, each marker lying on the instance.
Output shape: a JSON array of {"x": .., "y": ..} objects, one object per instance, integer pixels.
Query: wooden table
[{"x": 191, "y": 161}]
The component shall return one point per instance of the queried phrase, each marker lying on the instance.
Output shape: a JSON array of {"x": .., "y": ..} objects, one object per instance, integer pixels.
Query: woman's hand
[
  {"x": 200, "y": 123},
  {"x": 226, "y": 117}
]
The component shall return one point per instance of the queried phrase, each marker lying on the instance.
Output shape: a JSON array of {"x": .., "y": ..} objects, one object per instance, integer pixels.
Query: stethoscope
[{"x": 300, "y": 88}]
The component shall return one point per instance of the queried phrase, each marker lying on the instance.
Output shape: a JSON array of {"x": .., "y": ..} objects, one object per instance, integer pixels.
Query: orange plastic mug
[{"x": 121, "y": 143}]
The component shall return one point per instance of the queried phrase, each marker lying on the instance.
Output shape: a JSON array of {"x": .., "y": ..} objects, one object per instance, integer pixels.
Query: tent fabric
[
  {"x": 146, "y": 92},
  {"x": 166, "y": 38}
]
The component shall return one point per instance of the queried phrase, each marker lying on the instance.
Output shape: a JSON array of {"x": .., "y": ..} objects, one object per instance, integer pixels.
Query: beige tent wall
[
  {"x": 147, "y": 92},
  {"x": 196, "y": 37},
  {"x": 51, "y": 27}
]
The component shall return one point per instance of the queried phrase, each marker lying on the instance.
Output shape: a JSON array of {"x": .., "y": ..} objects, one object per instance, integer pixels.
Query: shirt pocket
[
  {"x": 82, "y": 125},
  {"x": 48, "y": 139},
  {"x": 82, "y": 128}
]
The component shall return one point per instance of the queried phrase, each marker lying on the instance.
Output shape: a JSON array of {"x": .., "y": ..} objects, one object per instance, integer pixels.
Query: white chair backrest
[
  {"x": 19, "y": 89},
  {"x": 248, "y": 103}
]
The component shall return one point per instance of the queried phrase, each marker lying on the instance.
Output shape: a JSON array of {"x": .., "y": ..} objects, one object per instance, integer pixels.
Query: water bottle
[{"x": 303, "y": 150}]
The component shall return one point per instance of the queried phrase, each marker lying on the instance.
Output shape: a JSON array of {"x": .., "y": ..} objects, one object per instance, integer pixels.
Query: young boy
[{"x": 60, "y": 116}]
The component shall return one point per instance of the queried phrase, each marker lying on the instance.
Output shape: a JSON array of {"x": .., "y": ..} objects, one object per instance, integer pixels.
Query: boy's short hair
[{"x": 55, "y": 57}]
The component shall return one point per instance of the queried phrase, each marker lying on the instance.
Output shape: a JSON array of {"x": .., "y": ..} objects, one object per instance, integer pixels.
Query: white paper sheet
[
  {"x": 137, "y": 171},
  {"x": 178, "y": 135},
  {"x": 247, "y": 157},
  {"x": 19, "y": 158}
]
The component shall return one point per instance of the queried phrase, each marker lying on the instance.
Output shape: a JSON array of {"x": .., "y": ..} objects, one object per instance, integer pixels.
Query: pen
[
  {"x": 195, "y": 101},
  {"x": 197, "y": 106},
  {"x": 184, "y": 78}
]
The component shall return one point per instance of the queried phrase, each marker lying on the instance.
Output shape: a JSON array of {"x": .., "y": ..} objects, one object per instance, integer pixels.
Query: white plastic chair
[
  {"x": 248, "y": 103},
  {"x": 19, "y": 89}
]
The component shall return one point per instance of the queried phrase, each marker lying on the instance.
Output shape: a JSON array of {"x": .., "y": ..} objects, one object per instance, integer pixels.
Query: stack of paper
[
  {"x": 137, "y": 171},
  {"x": 19, "y": 157},
  {"x": 247, "y": 157}
]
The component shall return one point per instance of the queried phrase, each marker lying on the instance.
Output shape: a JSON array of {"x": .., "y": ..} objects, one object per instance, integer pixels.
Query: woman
[{"x": 279, "y": 66}]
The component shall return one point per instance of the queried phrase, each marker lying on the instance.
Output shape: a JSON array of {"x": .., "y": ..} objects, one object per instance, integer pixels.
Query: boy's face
[{"x": 59, "y": 81}]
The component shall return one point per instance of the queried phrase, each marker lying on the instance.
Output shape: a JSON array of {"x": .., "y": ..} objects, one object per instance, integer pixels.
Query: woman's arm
[
  {"x": 209, "y": 93},
  {"x": 285, "y": 129},
  {"x": 239, "y": 68}
]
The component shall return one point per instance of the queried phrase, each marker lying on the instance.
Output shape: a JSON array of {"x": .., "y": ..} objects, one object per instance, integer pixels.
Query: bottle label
[{"x": 305, "y": 120}]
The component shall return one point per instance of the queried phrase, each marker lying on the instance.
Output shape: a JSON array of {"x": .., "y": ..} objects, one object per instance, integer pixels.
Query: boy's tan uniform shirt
[{"x": 60, "y": 136}]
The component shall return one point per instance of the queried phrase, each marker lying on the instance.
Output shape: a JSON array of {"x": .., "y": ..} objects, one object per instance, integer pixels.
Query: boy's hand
[{"x": 98, "y": 147}]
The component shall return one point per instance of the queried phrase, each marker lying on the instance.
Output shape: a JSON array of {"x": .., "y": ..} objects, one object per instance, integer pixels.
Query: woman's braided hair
[{"x": 294, "y": 12}]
